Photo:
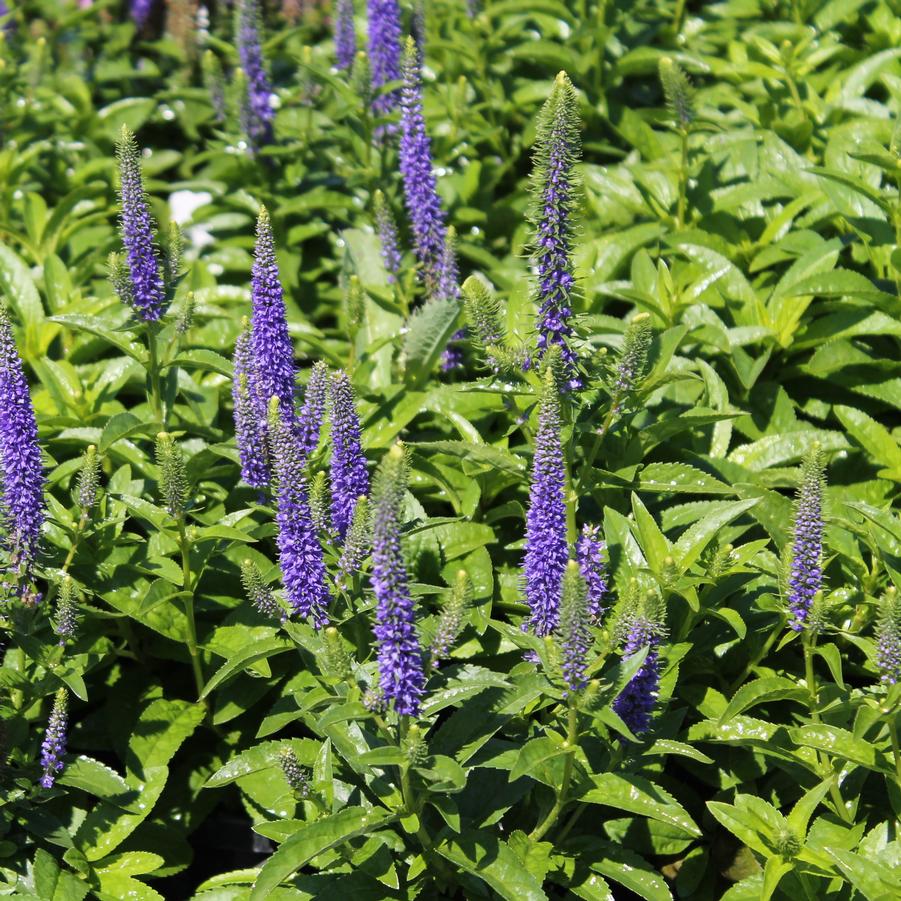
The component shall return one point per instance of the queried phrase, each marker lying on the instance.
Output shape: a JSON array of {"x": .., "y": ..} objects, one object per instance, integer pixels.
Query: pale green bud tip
[
  {"x": 331, "y": 632},
  {"x": 572, "y": 568},
  {"x": 396, "y": 454},
  {"x": 640, "y": 317},
  {"x": 669, "y": 561}
]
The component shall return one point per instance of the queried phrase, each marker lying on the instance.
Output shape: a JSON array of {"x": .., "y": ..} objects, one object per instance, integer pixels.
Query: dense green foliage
[{"x": 741, "y": 186}]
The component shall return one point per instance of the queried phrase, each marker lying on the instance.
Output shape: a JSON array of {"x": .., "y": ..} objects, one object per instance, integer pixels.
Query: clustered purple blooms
[
  {"x": 299, "y": 551},
  {"x": 806, "y": 572},
  {"x": 258, "y": 107},
  {"x": 590, "y": 553},
  {"x": 140, "y": 12},
  {"x": 555, "y": 156},
  {"x": 345, "y": 34},
  {"x": 22, "y": 476},
  {"x": 349, "y": 477},
  {"x": 635, "y": 704},
  {"x": 546, "y": 546},
  {"x": 309, "y": 422},
  {"x": 384, "y": 51},
  {"x": 401, "y": 672},
  {"x": 54, "y": 744},
  {"x": 250, "y": 435},
  {"x": 148, "y": 293},
  {"x": 387, "y": 232},
  {"x": 438, "y": 265}
]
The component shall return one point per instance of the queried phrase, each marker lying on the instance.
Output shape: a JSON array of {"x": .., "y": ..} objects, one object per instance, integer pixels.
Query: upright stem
[
  {"x": 896, "y": 746},
  {"x": 156, "y": 395},
  {"x": 539, "y": 832},
  {"x": 188, "y": 596},
  {"x": 683, "y": 180},
  {"x": 809, "y": 641}
]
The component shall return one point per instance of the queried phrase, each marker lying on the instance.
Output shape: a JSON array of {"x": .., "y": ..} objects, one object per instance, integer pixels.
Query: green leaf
[
  {"x": 874, "y": 437},
  {"x": 872, "y": 879},
  {"x": 119, "y": 426},
  {"x": 841, "y": 743},
  {"x": 428, "y": 332},
  {"x": 694, "y": 540},
  {"x": 307, "y": 843},
  {"x": 261, "y": 649},
  {"x": 535, "y": 752},
  {"x": 53, "y": 884},
  {"x": 760, "y": 691},
  {"x": 485, "y": 856}
]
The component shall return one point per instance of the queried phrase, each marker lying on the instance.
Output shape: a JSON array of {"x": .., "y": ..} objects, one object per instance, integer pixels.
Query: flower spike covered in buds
[
  {"x": 66, "y": 622},
  {"x": 144, "y": 289},
  {"x": 387, "y": 232},
  {"x": 312, "y": 412},
  {"x": 888, "y": 638},
  {"x": 590, "y": 554},
  {"x": 349, "y": 476},
  {"x": 258, "y": 112},
  {"x": 384, "y": 51},
  {"x": 294, "y": 773},
  {"x": 546, "y": 546},
  {"x": 554, "y": 186},
  {"x": 678, "y": 92},
  {"x": 575, "y": 637},
  {"x": 420, "y": 186},
  {"x": 22, "y": 476},
  {"x": 356, "y": 543},
  {"x": 633, "y": 360},
  {"x": 805, "y": 570},
  {"x": 258, "y": 592},
  {"x": 635, "y": 703},
  {"x": 401, "y": 676},
  {"x": 345, "y": 34},
  {"x": 250, "y": 434},
  {"x": 299, "y": 551},
  {"x": 88, "y": 479},
  {"x": 450, "y": 621},
  {"x": 173, "y": 475},
  {"x": 54, "y": 744}
]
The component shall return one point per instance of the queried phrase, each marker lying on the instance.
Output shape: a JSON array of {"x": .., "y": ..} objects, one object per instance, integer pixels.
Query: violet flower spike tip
[
  {"x": 554, "y": 187},
  {"x": 420, "y": 187},
  {"x": 140, "y": 12},
  {"x": 349, "y": 477},
  {"x": 273, "y": 352},
  {"x": 635, "y": 703},
  {"x": 309, "y": 422},
  {"x": 250, "y": 435},
  {"x": 299, "y": 551},
  {"x": 54, "y": 745},
  {"x": 384, "y": 51},
  {"x": 147, "y": 292},
  {"x": 258, "y": 101},
  {"x": 401, "y": 670},
  {"x": 546, "y": 545},
  {"x": 590, "y": 554},
  {"x": 21, "y": 470},
  {"x": 345, "y": 34},
  {"x": 806, "y": 571}
]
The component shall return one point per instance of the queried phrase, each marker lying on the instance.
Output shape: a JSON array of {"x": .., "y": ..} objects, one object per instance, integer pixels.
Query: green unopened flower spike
[
  {"x": 633, "y": 361},
  {"x": 356, "y": 543},
  {"x": 361, "y": 79},
  {"x": 451, "y": 619},
  {"x": 173, "y": 475},
  {"x": 354, "y": 306},
  {"x": 214, "y": 82},
  {"x": 320, "y": 502},
  {"x": 88, "y": 479},
  {"x": 295, "y": 774},
  {"x": 186, "y": 317},
  {"x": 65, "y": 624},
  {"x": 888, "y": 638},
  {"x": 574, "y": 634},
  {"x": 173, "y": 259},
  {"x": 337, "y": 660},
  {"x": 414, "y": 746},
  {"x": 120, "y": 278},
  {"x": 722, "y": 561},
  {"x": 259, "y": 593},
  {"x": 678, "y": 92}
]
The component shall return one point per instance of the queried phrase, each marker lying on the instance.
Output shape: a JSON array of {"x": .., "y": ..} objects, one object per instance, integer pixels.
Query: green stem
[
  {"x": 896, "y": 745},
  {"x": 599, "y": 438},
  {"x": 539, "y": 832},
  {"x": 809, "y": 641},
  {"x": 678, "y": 15},
  {"x": 156, "y": 395},
  {"x": 188, "y": 596},
  {"x": 683, "y": 181},
  {"x": 771, "y": 640}
]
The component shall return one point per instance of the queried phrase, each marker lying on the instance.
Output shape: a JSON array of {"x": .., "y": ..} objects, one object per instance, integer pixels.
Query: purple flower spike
[
  {"x": 546, "y": 547},
  {"x": 635, "y": 703},
  {"x": 147, "y": 293},
  {"x": 258, "y": 107},
  {"x": 437, "y": 263},
  {"x": 309, "y": 422},
  {"x": 140, "y": 12},
  {"x": 590, "y": 554},
  {"x": 299, "y": 551},
  {"x": 349, "y": 477},
  {"x": 22, "y": 477},
  {"x": 345, "y": 34},
  {"x": 401, "y": 671},
  {"x": 273, "y": 353},
  {"x": 554, "y": 185},
  {"x": 384, "y": 51},
  {"x": 806, "y": 571},
  {"x": 387, "y": 232},
  {"x": 250, "y": 433},
  {"x": 54, "y": 744}
]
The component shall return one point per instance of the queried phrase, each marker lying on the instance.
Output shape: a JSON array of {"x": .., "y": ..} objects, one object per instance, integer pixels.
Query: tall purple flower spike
[
  {"x": 349, "y": 477},
  {"x": 546, "y": 546},
  {"x": 299, "y": 551},
  {"x": 590, "y": 554},
  {"x": 806, "y": 571},
  {"x": 22, "y": 476},
  {"x": 636, "y": 701},
  {"x": 433, "y": 251},
  {"x": 384, "y": 51},
  {"x": 309, "y": 421},
  {"x": 54, "y": 745},
  {"x": 554, "y": 186},
  {"x": 345, "y": 34},
  {"x": 258, "y": 107},
  {"x": 147, "y": 292},
  {"x": 401, "y": 666}
]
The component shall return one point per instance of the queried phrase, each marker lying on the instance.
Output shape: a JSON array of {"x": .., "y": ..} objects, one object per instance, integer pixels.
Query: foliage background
[{"x": 776, "y": 312}]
